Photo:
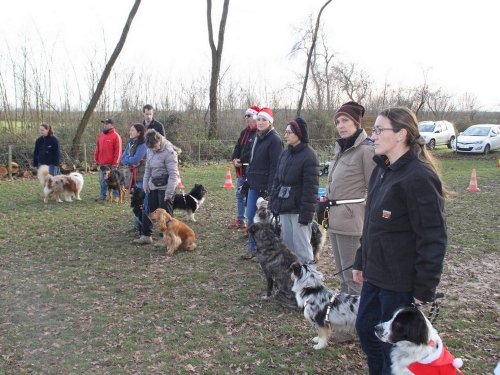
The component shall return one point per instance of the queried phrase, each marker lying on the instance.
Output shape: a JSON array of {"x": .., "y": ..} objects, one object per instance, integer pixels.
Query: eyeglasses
[
  {"x": 247, "y": 116},
  {"x": 288, "y": 132},
  {"x": 379, "y": 131}
]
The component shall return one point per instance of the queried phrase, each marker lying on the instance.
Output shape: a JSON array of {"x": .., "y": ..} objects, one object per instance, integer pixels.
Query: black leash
[
  {"x": 345, "y": 269},
  {"x": 434, "y": 311}
]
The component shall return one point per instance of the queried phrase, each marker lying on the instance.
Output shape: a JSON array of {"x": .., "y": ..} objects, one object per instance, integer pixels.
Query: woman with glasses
[
  {"x": 295, "y": 189},
  {"x": 264, "y": 155},
  {"x": 350, "y": 171},
  {"x": 400, "y": 260}
]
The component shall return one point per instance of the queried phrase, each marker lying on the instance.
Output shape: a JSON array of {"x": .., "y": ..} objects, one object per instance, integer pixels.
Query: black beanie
[
  {"x": 299, "y": 127},
  {"x": 352, "y": 110}
]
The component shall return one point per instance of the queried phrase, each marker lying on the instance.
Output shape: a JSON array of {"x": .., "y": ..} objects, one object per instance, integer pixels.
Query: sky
[{"x": 453, "y": 44}]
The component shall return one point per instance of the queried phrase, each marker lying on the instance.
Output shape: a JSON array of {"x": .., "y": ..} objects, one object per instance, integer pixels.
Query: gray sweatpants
[
  {"x": 344, "y": 251},
  {"x": 297, "y": 237}
]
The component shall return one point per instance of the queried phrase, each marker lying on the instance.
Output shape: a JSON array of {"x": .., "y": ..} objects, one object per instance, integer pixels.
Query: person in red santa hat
[{"x": 241, "y": 158}]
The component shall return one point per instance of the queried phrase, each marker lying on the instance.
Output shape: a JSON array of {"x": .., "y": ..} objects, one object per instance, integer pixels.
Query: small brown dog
[{"x": 176, "y": 234}]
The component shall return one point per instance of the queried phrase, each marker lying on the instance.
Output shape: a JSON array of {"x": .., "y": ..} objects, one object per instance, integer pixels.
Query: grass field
[{"x": 78, "y": 298}]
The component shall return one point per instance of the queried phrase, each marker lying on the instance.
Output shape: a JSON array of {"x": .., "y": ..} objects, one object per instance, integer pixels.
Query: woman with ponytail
[{"x": 400, "y": 260}]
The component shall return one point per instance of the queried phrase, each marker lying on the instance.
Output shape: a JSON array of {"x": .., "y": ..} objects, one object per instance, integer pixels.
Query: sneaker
[
  {"x": 159, "y": 243},
  {"x": 143, "y": 240},
  {"x": 100, "y": 199},
  {"x": 116, "y": 200},
  {"x": 247, "y": 256},
  {"x": 236, "y": 224}
]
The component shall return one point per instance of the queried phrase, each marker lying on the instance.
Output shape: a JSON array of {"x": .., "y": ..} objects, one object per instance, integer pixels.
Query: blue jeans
[
  {"x": 54, "y": 170},
  {"x": 137, "y": 221},
  {"x": 104, "y": 187},
  {"x": 240, "y": 199},
  {"x": 377, "y": 305},
  {"x": 252, "y": 197},
  {"x": 155, "y": 199}
]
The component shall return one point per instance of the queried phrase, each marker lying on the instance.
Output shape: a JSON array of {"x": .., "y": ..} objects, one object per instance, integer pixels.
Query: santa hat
[
  {"x": 352, "y": 110},
  {"x": 252, "y": 111},
  {"x": 299, "y": 127},
  {"x": 267, "y": 113},
  {"x": 440, "y": 362}
]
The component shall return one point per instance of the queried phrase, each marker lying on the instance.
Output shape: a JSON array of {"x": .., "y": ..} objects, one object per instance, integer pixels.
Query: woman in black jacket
[
  {"x": 47, "y": 150},
  {"x": 295, "y": 189},
  {"x": 404, "y": 234}
]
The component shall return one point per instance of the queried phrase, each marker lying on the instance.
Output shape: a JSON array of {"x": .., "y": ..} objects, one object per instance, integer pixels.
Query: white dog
[
  {"x": 65, "y": 186},
  {"x": 417, "y": 349}
]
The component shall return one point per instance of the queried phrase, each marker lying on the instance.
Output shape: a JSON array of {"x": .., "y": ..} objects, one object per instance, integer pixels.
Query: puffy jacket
[
  {"x": 135, "y": 156},
  {"x": 47, "y": 151},
  {"x": 265, "y": 154},
  {"x": 298, "y": 168},
  {"x": 404, "y": 234},
  {"x": 348, "y": 178},
  {"x": 160, "y": 163},
  {"x": 108, "y": 148}
]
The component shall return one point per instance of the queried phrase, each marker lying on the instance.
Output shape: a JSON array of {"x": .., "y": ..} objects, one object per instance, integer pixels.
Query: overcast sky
[{"x": 454, "y": 43}]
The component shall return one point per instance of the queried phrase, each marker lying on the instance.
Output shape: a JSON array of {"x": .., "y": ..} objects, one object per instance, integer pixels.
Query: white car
[
  {"x": 437, "y": 133},
  {"x": 481, "y": 138}
]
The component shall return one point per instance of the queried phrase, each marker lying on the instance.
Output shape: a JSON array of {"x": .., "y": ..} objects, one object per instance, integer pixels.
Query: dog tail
[
  {"x": 318, "y": 238},
  {"x": 43, "y": 173}
]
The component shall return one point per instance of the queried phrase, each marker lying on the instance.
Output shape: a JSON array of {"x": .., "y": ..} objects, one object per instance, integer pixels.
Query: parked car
[
  {"x": 323, "y": 168},
  {"x": 481, "y": 138},
  {"x": 437, "y": 133}
]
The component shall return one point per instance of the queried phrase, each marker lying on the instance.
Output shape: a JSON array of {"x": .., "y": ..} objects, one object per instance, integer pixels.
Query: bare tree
[
  {"x": 355, "y": 83},
  {"x": 309, "y": 57},
  {"x": 216, "y": 64},
  {"x": 468, "y": 104},
  {"x": 440, "y": 103},
  {"x": 75, "y": 147}
]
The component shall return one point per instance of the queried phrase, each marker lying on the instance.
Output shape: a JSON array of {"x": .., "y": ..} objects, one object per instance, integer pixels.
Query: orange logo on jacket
[{"x": 386, "y": 214}]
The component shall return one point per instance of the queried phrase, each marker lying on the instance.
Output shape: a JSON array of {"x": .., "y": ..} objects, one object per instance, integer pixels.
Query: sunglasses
[{"x": 248, "y": 116}]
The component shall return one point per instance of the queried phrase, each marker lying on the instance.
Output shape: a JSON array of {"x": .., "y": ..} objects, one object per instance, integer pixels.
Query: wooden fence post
[
  {"x": 9, "y": 163},
  {"x": 85, "y": 158}
]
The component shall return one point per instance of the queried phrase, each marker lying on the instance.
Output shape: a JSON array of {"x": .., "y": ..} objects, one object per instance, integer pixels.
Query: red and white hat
[
  {"x": 267, "y": 113},
  {"x": 252, "y": 111}
]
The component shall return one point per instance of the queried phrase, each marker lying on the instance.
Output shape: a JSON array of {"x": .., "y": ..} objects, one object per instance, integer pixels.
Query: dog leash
[
  {"x": 434, "y": 311},
  {"x": 345, "y": 269}
]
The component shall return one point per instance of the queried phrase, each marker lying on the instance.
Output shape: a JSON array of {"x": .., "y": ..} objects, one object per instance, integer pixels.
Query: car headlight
[{"x": 476, "y": 142}]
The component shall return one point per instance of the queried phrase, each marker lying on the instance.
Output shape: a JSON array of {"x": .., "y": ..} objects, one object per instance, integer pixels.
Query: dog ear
[{"x": 296, "y": 268}]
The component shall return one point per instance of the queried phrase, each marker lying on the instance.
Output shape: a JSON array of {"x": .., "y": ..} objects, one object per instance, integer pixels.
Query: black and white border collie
[
  {"x": 417, "y": 347},
  {"x": 190, "y": 202}
]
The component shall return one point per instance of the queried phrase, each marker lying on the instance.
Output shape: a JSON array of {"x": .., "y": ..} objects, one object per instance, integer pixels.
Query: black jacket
[
  {"x": 242, "y": 150},
  {"x": 404, "y": 234},
  {"x": 265, "y": 154},
  {"x": 47, "y": 151},
  {"x": 298, "y": 168},
  {"x": 156, "y": 125}
]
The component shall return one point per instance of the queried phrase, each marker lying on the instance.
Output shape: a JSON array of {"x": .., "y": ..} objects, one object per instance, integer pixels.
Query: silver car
[
  {"x": 480, "y": 139},
  {"x": 437, "y": 133}
]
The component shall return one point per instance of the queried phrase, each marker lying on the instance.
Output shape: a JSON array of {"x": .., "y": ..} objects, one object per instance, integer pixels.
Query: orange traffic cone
[
  {"x": 179, "y": 182},
  {"x": 228, "y": 184},
  {"x": 473, "y": 182}
]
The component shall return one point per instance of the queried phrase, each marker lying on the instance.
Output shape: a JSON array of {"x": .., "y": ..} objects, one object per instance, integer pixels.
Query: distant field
[{"x": 79, "y": 298}]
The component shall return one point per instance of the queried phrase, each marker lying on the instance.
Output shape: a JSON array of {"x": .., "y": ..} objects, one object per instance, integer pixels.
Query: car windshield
[
  {"x": 426, "y": 128},
  {"x": 477, "y": 131}
]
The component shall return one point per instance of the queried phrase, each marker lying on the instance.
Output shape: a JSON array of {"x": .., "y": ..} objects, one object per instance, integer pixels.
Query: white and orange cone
[
  {"x": 473, "y": 182},
  {"x": 228, "y": 184}
]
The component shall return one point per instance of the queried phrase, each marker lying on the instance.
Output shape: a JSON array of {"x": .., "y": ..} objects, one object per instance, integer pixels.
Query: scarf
[{"x": 346, "y": 143}]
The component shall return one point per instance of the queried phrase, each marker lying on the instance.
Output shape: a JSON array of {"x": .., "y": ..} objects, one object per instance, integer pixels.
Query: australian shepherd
[
  {"x": 66, "y": 187},
  {"x": 417, "y": 348},
  {"x": 329, "y": 312},
  {"x": 190, "y": 202}
]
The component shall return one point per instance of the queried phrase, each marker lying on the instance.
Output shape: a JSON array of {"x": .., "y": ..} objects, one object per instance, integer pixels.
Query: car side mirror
[{"x": 437, "y": 131}]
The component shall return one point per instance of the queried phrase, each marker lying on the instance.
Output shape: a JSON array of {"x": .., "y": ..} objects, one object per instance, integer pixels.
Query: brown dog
[{"x": 176, "y": 234}]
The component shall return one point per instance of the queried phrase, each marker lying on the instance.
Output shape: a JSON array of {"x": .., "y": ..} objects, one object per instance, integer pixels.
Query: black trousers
[{"x": 155, "y": 199}]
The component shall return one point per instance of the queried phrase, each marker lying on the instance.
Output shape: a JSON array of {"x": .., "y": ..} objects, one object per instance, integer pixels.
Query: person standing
[
  {"x": 160, "y": 181},
  {"x": 400, "y": 259},
  {"x": 348, "y": 178},
  {"x": 149, "y": 122},
  {"x": 241, "y": 158},
  {"x": 295, "y": 190},
  {"x": 47, "y": 150},
  {"x": 266, "y": 150},
  {"x": 108, "y": 151}
]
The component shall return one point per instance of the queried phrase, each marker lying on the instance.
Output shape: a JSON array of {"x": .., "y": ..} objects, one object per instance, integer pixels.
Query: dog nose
[{"x": 379, "y": 329}]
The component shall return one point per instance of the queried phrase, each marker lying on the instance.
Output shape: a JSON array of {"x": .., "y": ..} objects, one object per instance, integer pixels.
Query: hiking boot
[
  {"x": 248, "y": 256},
  {"x": 236, "y": 224},
  {"x": 143, "y": 240},
  {"x": 100, "y": 199}
]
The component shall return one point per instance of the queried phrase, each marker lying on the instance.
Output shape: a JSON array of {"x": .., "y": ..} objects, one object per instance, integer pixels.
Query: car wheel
[
  {"x": 431, "y": 145},
  {"x": 486, "y": 150},
  {"x": 450, "y": 142}
]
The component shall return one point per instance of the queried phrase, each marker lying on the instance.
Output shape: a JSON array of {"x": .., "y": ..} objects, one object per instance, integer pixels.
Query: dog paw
[
  {"x": 319, "y": 345},
  {"x": 315, "y": 339}
]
